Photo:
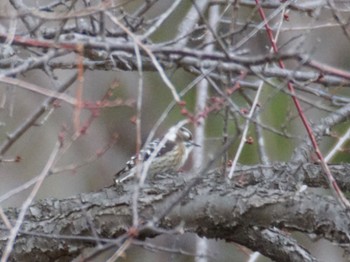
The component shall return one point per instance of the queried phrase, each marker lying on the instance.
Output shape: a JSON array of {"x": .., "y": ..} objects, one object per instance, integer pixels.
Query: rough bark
[{"x": 251, "y": 213}]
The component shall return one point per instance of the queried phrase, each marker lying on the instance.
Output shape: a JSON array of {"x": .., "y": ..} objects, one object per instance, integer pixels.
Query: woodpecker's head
[
  {"x": 184, "y": 135},
  {"x": 181, "y": 135}
]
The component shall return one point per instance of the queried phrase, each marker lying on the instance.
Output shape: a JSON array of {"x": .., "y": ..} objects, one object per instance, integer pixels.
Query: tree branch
[{"x": 213, "y": 209}]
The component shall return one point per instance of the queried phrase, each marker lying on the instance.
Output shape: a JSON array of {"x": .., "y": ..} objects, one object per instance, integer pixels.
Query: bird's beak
[{"x": 194, "y": 144}]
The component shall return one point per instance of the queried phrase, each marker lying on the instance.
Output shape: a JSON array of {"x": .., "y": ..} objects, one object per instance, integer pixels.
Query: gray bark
[{"x": 250, "y": 210}]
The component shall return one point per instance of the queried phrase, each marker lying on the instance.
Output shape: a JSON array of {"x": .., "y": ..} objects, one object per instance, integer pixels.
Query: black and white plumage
[{"x": 176, "y": 147}]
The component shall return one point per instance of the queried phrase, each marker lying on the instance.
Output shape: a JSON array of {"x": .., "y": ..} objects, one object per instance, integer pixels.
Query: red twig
[
  {"x": 333, "y": 184},
  {"x": 79, "y": 89}
]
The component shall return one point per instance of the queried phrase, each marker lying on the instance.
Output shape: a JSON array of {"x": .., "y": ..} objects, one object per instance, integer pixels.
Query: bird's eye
[
  {"x": 186, "y": 133},
  {"x": 189, "y": 136}
]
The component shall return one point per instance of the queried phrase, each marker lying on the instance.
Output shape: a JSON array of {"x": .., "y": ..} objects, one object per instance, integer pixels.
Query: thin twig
[
  {"x": 41, "y": 177},
  {"x": 245, "y": 131}
]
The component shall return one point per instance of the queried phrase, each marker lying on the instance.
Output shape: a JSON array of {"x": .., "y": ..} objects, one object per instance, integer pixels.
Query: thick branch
[{"x": 214, "y": 209}]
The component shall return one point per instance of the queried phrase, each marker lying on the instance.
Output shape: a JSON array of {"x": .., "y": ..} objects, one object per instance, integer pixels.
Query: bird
[{"x": 170, "y": 153}]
